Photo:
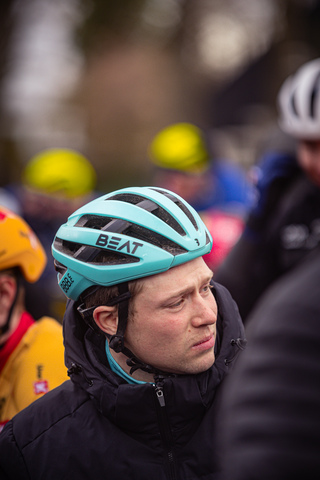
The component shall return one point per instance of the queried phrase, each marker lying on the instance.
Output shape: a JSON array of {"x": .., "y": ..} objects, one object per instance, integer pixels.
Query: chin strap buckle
[
  {"x": 116, "y": 342},
  {"x": 135, "y": 364}
]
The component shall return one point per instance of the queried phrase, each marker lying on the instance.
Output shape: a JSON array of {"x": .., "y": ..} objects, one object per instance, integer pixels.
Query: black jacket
[
  {"x": 97, "y": 426},
  {"x": 271, "y": 401},
  {"x": 278, "y": 244}
]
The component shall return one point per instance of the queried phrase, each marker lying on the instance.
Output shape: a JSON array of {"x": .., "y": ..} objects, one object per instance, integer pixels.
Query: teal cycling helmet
[
  {"x": 125, "y": 235},
  {"x": 122, "y": 236}
]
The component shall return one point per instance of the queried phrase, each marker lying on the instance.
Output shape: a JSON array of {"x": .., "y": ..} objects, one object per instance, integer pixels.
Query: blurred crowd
[
  {"x": 54, "y": 183},
  {"x": 271, "y": 412},
  {"x": 265, "y": 226}
]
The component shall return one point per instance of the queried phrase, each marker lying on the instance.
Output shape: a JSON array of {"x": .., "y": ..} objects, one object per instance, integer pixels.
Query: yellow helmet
[
  {"x": 60, "y": 171},
  {"x": 180, "y": 146},
  {"x": 20, "y": 247}
]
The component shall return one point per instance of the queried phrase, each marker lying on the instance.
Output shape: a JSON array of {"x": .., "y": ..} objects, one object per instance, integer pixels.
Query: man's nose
[{"x": 205, "y": 312}]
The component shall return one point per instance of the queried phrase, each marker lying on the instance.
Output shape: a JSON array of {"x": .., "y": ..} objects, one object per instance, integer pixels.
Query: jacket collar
[{"x": 124, "y": 403}]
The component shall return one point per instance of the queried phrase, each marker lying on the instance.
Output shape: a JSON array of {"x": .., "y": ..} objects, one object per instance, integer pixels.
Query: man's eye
[
  {"x": 176, "y": 304},
  {"x": 207, "y": 288}
]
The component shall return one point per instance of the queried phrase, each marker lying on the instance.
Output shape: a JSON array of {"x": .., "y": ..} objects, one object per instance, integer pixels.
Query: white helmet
[{"x": 299, "y": 102}]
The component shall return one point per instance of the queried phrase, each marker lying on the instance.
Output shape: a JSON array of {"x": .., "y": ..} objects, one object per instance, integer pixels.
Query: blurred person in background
[
  {"x": 10, "y": 201},
  {"x": 271, "y": 406},
  {"x": 217, "y": 188},
  {"x": 55, "y": 182},
  {"x": 284, "y": 225},
  {"x": 183, "y": 163},
  {"x": 31, "y": 353}
]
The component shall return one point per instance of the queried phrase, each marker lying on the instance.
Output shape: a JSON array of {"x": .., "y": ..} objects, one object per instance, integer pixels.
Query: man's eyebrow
[{"x": 186, "y": 290}]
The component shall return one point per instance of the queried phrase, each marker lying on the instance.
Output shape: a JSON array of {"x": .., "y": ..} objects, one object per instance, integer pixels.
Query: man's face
[
  {"x": 173, "y": 326},
  {"x": 8, "y": 289},
  {"x": 309, "y": 158}
]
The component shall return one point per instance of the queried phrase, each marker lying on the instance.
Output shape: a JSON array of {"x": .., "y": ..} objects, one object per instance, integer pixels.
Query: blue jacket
[{"x": 230, "y": 189}]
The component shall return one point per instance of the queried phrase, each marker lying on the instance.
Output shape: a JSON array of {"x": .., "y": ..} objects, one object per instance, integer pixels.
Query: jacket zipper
[{"x": 164, "y": 428}]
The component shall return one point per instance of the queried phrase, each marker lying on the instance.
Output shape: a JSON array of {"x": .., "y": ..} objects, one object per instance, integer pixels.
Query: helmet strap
[
  {"x": 87, "y": 313},
  {"x": 137, "y": 364},
  {"x": 116, "y": 341}
]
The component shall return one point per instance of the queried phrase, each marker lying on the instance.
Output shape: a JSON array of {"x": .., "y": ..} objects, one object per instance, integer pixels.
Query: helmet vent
[
  {"x": 151, "y": 207},
  {"x": 66, "y": 247},
  {"x": 179, "y": 204},
  {"x": 314, "y": 96},
  {"x": 102, "y": 222},
  {"x": 96, "y": 222},
  {"x": 114, "y": 258},
  {"x": 143, "y": 234},
  {"x": 293, "y": 105},
  {"x": 93, "y": 255},
  {"x": 114, "y": 225},
  {"x": 76, "y": 250}
]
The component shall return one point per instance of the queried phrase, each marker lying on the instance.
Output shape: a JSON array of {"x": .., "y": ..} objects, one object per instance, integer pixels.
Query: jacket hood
[{"x": 124, "y": 403}]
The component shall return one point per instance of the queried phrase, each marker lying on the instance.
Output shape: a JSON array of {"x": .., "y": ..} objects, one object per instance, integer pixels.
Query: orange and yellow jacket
[{"x": 31, "y": 364}]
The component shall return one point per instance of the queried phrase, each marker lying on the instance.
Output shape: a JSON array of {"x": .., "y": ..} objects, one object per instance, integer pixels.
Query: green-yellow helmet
[
  {"x": 60, "y": 171},
  {"x": 180, "y": 146}
]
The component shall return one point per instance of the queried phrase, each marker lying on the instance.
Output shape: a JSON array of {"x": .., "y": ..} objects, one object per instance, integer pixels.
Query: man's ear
[{"x": 106, "y": 318}]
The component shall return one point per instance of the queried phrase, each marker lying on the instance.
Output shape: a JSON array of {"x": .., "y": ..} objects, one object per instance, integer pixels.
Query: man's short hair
[{"x": 103, "y": 295}]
